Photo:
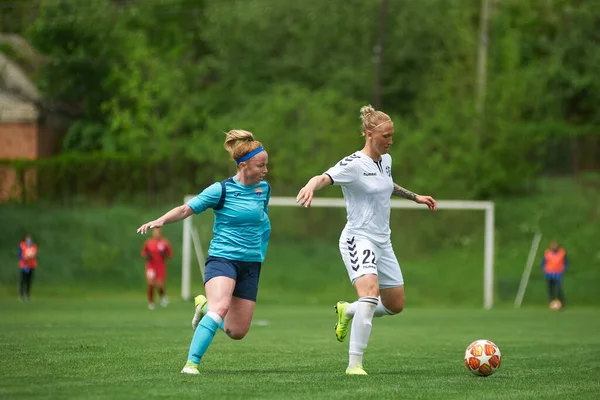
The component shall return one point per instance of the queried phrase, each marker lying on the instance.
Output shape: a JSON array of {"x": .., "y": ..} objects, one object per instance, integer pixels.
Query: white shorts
[{"x": 363, "y": 256}]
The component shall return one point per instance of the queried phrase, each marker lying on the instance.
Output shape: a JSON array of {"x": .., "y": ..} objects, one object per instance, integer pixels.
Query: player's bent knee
[
  {"x": 236, "y": 334},
  {"x": 220, "y": 309},
  {"x": 396, "y": 308}
]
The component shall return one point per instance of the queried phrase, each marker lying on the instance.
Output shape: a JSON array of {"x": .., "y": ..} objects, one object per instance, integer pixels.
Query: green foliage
[
  {"x": 15, "y": 16},
  {"x": 143, "y": 118},
  {"x": 548, "y": 53},
  {"x": 313, "y": 43},
  {"x": 101, "y": 178},
  {"x": 83, "y": 44},
  {"x": 301, "y": 130},
  {"x": 166, "y": 77}
]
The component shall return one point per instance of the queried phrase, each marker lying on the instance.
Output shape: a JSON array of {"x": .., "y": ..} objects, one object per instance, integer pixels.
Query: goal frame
[{"x": 190, "y": 236}]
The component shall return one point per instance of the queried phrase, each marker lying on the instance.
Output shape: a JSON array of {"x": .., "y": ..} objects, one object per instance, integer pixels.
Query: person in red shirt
[
  {"x": 27, "y": 264},
  {"x": 155, "y": 251}
]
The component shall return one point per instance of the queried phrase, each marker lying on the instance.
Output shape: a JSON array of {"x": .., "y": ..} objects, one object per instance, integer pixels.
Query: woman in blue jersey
[{"x": 240, "y": 237}]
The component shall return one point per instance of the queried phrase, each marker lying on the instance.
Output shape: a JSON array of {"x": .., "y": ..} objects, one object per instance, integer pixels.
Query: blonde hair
[
  {"x": 238, "y": 143},
  {"x": 371, "y": 118}
]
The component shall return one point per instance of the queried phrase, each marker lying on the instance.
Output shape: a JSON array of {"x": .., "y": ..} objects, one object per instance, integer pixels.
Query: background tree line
[{"x": 167, "y": 77}]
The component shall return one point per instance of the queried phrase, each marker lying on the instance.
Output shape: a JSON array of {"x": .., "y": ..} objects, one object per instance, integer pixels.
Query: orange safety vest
[
  {"x": 555, "y": 262},
  {"x": 25, "y": 250}
]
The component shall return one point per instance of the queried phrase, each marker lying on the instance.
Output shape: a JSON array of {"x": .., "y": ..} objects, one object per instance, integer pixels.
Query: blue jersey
[{"x": 242, "y": 228}]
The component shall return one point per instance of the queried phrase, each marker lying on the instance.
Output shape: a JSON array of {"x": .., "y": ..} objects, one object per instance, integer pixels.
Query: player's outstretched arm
[
  {"x": 306, "y": 194},
  {"x": 407, "y": 194},
  {"x": 176, "y": 214}
]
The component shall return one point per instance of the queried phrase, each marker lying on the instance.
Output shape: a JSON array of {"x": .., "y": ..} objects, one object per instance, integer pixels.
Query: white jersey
[{"x": 367, "y": 186}]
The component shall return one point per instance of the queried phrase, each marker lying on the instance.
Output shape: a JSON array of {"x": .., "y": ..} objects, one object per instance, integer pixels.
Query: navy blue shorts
[{"x": 244, "y": 273}]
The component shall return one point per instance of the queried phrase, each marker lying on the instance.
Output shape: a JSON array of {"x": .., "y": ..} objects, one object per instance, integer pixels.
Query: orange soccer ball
[
  {"x": 482, "y": 357},
  {"x": 555, "y": 305}
]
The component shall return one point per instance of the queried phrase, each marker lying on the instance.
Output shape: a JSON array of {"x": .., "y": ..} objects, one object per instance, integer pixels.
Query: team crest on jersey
[
  {"x": 258, "y": 191},
  {"x": 388, "y": 170}
]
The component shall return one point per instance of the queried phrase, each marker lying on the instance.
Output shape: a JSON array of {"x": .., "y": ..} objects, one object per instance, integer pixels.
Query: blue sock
[
  {"x": 203, "y": 336},
  {"x": 205, "y": 311}
]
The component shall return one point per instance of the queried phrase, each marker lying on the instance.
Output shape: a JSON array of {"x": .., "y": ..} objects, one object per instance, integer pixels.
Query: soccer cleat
[
  {"x": 151, "y": 306},
  {"x": 199, "y": 302},
  {"x": 358, "y": 370},
  {"x": 343, "y": 322},
  {"x": 190, "y": 368},
  {"x": 164, "y": 301}
]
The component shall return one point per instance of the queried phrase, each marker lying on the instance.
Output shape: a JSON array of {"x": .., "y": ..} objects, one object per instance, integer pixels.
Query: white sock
[
  {"x": 215, "y": 317},
  {"x": 355, "y": 360},
  {"x": 351, "y": 309},
  {"x": 361, "y": 329},
  {"x": 380, "y": 310}
]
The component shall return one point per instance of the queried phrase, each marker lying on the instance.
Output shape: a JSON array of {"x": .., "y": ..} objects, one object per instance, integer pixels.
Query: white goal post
[{"x": 190, "y": 236}]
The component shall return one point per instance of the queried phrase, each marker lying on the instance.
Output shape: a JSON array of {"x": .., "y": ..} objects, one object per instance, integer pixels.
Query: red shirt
[
  {"x": 159, "y": 250},
  {"x": 27, "y": 255}
]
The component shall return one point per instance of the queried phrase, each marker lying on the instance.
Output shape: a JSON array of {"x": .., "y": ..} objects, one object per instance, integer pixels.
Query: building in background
[{"x": 25, "y": 131}]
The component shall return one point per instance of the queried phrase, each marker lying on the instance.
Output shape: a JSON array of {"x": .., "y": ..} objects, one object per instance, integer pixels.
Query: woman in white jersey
[{"x": 366, "y": 180}]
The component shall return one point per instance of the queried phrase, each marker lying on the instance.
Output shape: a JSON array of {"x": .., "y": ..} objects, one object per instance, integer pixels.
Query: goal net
[{"x": 305, "y": 241}]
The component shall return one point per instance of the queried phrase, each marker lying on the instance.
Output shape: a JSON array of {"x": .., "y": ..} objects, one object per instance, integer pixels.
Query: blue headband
[{"x": 249, "y": 155}]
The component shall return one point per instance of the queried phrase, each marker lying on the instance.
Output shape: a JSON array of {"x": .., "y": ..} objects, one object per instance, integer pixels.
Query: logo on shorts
[
  {"x": 353, "y": 254},
  {"x": 258, "y": 191}
]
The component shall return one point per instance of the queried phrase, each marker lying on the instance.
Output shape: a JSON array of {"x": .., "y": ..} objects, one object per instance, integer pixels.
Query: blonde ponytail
[
  {"x": 371, "y": 118},
  {"x": 238, "y": 143}
]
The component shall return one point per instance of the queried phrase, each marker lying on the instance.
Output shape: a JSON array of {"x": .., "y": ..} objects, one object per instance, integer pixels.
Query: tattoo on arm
[{"x": 404, "y": 193}]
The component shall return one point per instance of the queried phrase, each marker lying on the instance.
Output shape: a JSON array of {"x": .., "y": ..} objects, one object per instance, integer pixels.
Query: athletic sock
[
  {"x": 351, "y": 309},
  {"x": 361, "y": 329},
  {"x": 380, "y": 310},
  {"x": 203, "y": 336},
  {"x": 150, "y": 294},
  {"x": 205, "y": 311}
]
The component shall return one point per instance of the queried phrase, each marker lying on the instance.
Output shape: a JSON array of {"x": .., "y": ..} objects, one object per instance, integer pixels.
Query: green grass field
[
  {"x": 115, "y": 348},
  {"x": 87, "y": 334}
]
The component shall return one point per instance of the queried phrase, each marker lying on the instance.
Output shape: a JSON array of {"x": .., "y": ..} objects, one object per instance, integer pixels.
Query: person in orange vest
[
  {"x": 554, "y": 265},
  {"x": 156, "y": 250},
  {"x": 27, "y": 264}
]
